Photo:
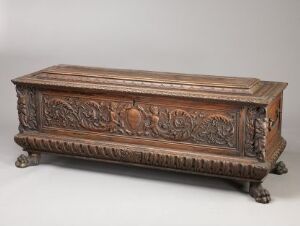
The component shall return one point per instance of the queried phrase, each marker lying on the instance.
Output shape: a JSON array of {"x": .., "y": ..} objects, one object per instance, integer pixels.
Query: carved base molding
[{"x": 152, "y": 157}]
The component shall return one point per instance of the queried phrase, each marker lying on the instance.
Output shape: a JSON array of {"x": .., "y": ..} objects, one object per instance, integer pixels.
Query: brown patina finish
[{"x": 211, "y": 125}]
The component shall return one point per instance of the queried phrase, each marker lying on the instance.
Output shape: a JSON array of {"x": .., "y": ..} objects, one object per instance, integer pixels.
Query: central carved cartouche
[{"x": 134, "y": 118}]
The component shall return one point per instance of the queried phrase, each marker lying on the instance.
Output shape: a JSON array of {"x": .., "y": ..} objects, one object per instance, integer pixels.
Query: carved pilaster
[
  {"x": 256, "y": 132},
  {"x": 260, "y": 138},
  {"x": 26, "y": 108}
]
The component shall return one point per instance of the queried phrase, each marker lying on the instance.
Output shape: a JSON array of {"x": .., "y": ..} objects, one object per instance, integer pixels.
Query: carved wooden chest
[{"x": 210, "y": 125}]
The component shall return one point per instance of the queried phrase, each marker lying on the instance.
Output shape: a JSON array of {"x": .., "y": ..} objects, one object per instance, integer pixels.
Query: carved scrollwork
[
  {"x": 58, "y": 112},
  {"x": 215, "y": 129},
  {"x": 127, "y": 118},
  {"x": 173, "y": 124},
  {"x": 181, "y": 124},
  {"x": 97, "y": 116},
  {"x": 26, "y": 108}
]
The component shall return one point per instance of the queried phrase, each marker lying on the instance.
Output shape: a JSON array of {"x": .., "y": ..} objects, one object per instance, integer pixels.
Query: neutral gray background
[{"x": 256, "y": 38}]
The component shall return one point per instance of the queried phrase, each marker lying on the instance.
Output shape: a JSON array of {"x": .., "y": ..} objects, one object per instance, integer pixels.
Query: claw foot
[
  {"x": 259, "y": 193},
  {"x": 279, "y": 168},
  {"x": 30, "y": 160}
]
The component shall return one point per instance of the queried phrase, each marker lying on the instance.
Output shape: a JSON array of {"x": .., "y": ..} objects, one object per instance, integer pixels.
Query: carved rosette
[
  {"x": 26, "y": 108},
  {"x": 256, "y": 132},
  {"x": 146, "y": 120},
  {"x": 181, "y": 124}
]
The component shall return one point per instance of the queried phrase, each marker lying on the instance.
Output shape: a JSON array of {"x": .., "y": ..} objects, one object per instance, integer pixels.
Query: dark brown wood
[{"x": 211, "y": 125}]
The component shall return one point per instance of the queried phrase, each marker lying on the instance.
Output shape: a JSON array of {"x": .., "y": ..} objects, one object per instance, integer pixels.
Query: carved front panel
[{"x": 137, "y": 119}]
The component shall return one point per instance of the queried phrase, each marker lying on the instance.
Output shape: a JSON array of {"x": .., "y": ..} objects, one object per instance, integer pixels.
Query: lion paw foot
[
  {"x": 259, "y": 193},
  {"x": 25, "y": 161},
  {"x": 280, "y": 168}
]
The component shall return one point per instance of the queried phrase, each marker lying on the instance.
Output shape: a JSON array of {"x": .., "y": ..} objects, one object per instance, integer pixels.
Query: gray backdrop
[{"x": 256, "y": 38}]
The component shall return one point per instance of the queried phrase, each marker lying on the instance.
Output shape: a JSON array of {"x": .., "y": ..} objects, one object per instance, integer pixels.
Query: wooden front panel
[{"x": 166, "y": 122}]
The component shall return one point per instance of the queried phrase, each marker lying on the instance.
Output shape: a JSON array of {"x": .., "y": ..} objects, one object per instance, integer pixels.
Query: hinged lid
[{"x": 156, "y": 83}]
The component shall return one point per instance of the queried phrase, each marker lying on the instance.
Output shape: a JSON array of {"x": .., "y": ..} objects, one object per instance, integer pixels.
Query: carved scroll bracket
[
  {"x": 256, "y": 132},
  {"x": 26, "y": 108}
]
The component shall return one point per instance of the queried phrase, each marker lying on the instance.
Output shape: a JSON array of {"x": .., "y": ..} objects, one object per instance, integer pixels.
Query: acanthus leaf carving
[
  {"x": 256, "y": 132},
  {"x": 214, "y": 128},
  {"x": 26, "y": 108}
]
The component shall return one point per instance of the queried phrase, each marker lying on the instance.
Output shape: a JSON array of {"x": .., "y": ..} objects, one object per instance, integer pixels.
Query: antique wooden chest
[{"x": 210, "y": 125}]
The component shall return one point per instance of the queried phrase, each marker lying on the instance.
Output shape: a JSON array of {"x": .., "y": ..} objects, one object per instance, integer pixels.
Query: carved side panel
[
  {"x": 256, "y": 133},
  {"x": 27, "y": 108},
  {"x": 217, "y": 128}
]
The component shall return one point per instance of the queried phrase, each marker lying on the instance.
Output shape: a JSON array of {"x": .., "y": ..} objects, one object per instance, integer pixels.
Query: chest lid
[{"x": 155, "y": 83}]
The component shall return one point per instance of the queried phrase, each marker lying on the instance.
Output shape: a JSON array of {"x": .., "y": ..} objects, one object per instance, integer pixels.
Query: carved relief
[
  {"x": 250, "y": 132},
  {"x": 134, "y": 118},
  {"x": 141, "y": 156},
  {"x": 260, "y": 138},
  {"x": 26, "y": 108},
  {"x": 213, "y": 129},
  {"x": 256, "y": 129},
  {"x": 127, "y": 118}
]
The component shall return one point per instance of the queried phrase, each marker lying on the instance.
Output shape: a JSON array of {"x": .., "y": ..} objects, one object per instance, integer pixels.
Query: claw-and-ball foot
[
  {"x": 32, "y": 159},
  {"x": 259, "y": 193},
  {"x": 279, "y": 168}
]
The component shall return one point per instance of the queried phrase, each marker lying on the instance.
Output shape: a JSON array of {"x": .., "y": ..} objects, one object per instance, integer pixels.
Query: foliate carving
[
  {"x": 260, "y": 138},
  {"x": 26, "y": 108},
  {"x": 74, "y": 113},
  {"x": 250, "y": 131},
  {"x": 181, "y": 124},
  {"x": 147, "y": 120},
  {"x": 142, "y": 156},
  {"x": 256, "y": 132},
  {"x": 213, "y": 129}
]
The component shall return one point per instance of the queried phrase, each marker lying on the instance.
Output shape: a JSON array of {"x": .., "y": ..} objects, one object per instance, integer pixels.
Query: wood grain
[{"x": 212, "y": 125}]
